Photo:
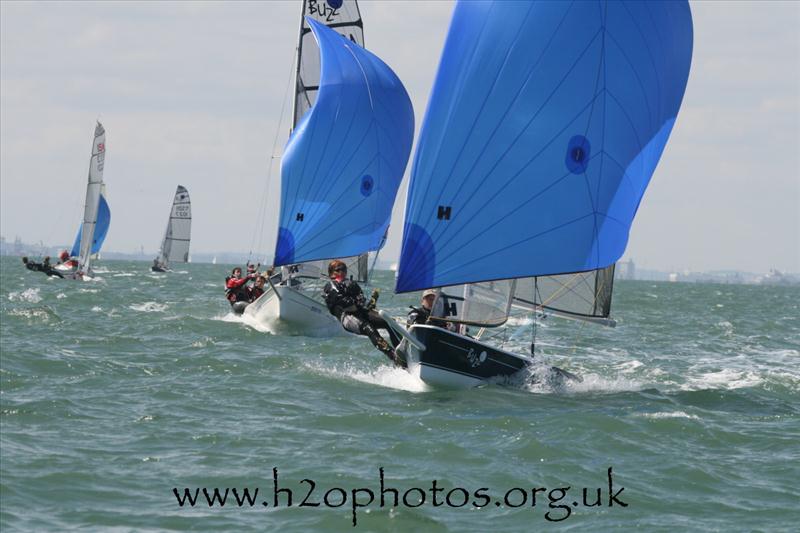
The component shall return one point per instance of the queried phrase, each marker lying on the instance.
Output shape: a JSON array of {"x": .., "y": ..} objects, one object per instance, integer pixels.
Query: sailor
[
  {"x": 48, "y": 269},
  {"x": 257, "y": 289},
  {"x": 64, "y": 259},
  {"x": 422, "y": 315},
  {"x": 31, "y": 265},
  {"x": 44, "y": 267},
  {"x": 346, "y": 301},
  {"x": 236, "y": 290}
]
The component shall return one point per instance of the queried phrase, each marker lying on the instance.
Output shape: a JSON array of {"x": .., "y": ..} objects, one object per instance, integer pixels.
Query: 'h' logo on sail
[{"x": 101, "y": 147}]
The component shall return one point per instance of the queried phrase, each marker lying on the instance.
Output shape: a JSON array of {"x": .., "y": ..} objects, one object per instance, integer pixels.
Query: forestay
[
  {"x": 344, "y": 161},
  {"x": 175, "y": 246},
  {"x": 343, "y": 17},
  {"x": 544, "y": 127}
]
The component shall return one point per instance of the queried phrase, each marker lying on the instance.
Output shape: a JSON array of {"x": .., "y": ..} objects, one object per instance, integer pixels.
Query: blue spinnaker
[
  {"x": 100, "y": 229},
  {"x": 544, "y": 126},
  {"x": 344, "y": 161}
]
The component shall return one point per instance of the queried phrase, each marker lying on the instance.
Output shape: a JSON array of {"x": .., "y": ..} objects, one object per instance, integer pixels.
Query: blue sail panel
[
  {"x": 545, "y": 124},
  {"x": 345, "y": 159},
  {"x": 100, "y": 230}
]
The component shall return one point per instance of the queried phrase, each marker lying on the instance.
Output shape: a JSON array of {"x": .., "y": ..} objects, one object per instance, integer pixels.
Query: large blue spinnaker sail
[
  {"x": 344, "y": 161},
  {"x": 544, "y": 127},
  {"x": 101, "y": 228}
]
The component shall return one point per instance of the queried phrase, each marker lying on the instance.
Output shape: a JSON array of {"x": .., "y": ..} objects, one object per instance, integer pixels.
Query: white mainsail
[
  {"x": 93, "y": 191},
  {"x": 175, "y": 246},
  {"x": 341, "y": 16}
]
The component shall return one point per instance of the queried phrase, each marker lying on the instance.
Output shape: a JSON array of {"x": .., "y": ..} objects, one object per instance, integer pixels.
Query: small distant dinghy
[
  {"x": 545, "y": 124},
  {"x": 354, "y": 121},
  {"x": 96, "y": 216},
  {"x": 175, "y": 245}
]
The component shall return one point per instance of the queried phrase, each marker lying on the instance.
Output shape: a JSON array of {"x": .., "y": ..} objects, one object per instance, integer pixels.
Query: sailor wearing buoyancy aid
[
  {"x": 346, "y": 301},
  {"x": 235, "y": 286}
]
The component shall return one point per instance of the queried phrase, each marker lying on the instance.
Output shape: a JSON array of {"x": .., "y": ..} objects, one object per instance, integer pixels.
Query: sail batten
[{"x": 544, "y": 127}]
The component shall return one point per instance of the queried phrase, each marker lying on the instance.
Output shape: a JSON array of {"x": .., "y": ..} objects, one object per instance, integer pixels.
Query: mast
[{"x": 299, "y": 51}]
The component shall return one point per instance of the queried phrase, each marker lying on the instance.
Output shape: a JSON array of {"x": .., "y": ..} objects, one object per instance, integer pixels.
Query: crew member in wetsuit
[
  {"x": 236, "y": 290},
  {"x": 422, "y": 314},
  {"x": 257, "y": 289},
  {"x": 48, "y": 269},
  {"x": 44, "y": 267},
  {"x": 346, "y": 301},
  {"x": 31, "y": 265}
]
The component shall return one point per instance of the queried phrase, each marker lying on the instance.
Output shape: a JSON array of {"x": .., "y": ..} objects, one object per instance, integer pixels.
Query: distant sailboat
[
  {"x": 545, "y": 124},
  {"x": 175, "y": 245},
  {"x": 96, "y": 214},
  {"x": 342, "y": 166}
]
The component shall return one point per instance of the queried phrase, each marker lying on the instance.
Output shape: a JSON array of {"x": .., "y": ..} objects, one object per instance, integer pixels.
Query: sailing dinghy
[
  {"x": 175, "y": 245},
  {"x": 544, "y": 127},
  {"x": 96, "y": 215},
  {"x": 341, "y": 168}
]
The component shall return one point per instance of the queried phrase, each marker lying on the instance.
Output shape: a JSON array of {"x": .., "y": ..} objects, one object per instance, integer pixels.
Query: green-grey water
[{"x": 116, "y": 391}]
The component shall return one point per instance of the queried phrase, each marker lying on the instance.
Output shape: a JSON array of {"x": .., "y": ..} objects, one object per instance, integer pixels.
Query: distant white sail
[
  {"x": 93, "y": 191},
  {"x": 175, "y": 246}
]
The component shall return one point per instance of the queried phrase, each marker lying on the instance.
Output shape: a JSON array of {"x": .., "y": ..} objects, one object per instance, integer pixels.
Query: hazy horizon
[{"x": 191, "y": 93}]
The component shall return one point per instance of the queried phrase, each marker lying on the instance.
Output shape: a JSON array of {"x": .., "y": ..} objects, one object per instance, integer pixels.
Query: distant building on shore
[{"x": 625, "y": 270}]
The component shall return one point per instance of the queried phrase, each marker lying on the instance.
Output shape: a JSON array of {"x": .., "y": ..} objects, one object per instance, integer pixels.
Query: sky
[{"x": 192, "y": 93}]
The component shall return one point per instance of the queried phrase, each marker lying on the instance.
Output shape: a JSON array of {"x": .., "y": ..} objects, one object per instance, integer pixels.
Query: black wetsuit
[
  {"x": 346, "y": 302},
  {"x": 422, "y": 316},
  {"x": 49, "y": 270},
  {"x": 52, "y": 272},
  {"x": 417, "y": 316},
  {"x": 36, "y": 267},
  {"x": 44, "y": 268}
]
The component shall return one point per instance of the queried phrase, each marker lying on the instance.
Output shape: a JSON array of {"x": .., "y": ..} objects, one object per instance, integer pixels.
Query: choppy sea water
[{"x": 115, "y": 392}]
